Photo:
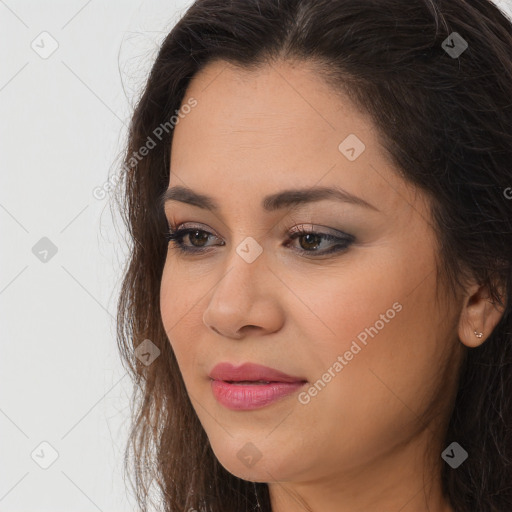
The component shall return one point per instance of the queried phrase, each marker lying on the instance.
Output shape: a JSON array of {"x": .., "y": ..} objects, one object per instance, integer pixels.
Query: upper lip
[{"x": 250, "y": 372}]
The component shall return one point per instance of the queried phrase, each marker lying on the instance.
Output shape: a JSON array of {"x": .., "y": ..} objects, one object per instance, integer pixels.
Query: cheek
[
  {"x": 180, "y": 302},
  {"x": 378, "y": 307},
  {"x": 387, "y": 331}
]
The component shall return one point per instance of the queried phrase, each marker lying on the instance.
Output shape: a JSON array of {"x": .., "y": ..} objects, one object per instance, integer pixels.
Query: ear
[{"x": 478, "y": 314}]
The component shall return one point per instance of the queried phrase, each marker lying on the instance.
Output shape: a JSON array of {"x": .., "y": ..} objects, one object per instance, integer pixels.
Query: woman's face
[{"x": 356, "y": 319}]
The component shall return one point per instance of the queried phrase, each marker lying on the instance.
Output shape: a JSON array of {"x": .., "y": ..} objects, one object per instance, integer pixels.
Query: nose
[{"x": 245, "y": 301}]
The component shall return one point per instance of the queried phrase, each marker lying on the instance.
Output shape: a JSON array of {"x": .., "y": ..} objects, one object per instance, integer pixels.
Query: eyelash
[{"x": 176, "y": 237}]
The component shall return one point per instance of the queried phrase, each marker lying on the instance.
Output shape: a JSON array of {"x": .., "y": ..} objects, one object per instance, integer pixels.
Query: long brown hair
[{"x": 446, "y": 122}]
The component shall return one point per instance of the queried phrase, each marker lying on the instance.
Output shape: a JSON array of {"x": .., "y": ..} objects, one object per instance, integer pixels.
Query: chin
[{"x": 247, "y": 462}]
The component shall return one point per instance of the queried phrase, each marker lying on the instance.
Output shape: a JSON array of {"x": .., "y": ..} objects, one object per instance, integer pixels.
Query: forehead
[
  {"x": 285, "y": 100},
  {"x": 260, "y": 130}
]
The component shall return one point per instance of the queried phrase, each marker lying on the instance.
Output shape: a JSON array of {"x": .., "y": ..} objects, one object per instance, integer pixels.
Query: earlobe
[{"x": 479, "y": 316}]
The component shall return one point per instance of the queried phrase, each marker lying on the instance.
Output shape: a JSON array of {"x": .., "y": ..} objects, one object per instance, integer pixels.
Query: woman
[{"x": 316, "y": 311}]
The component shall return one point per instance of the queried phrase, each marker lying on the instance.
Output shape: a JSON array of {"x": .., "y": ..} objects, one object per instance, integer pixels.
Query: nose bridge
[
  {"x": 238, "y": 298},
  {"x": 244, "y": 272}
]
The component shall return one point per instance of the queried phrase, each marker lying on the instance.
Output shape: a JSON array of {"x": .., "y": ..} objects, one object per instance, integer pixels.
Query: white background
[{"x": 63, "y": 121}]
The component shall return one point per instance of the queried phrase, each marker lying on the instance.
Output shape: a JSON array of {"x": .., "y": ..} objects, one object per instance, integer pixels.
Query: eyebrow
[{"x": 270, "y": 203}]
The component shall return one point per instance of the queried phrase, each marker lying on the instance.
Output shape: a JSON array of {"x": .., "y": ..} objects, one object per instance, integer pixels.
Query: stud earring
[{"x": 478, "y": 334}]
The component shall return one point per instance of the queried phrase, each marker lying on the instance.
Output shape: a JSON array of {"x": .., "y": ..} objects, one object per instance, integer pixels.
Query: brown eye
[
  {"x": 311, "y": 241},
  {"x": 201, "y": 237},
  {"x": 197, "y": 239}
]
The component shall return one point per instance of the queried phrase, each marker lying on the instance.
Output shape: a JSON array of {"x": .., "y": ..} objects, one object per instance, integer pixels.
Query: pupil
[
  {"x": 204, "y": 236},
  {"x": 314, "y": 239}
]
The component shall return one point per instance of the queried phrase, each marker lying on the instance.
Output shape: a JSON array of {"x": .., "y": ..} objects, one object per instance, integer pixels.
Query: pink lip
[
  {"x": 250, "y": 371},
  {"x": 251, "y": 396}
]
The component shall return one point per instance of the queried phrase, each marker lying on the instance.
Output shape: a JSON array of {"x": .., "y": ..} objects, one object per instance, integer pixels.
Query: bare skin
[{"x": 371, "y": 439}]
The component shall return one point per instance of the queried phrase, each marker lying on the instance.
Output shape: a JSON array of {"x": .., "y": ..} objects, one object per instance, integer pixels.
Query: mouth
[
  {"x": 245, "y": 382},
  {"x": 251, "y": 386},
  {"x": 251, "y": 373}
]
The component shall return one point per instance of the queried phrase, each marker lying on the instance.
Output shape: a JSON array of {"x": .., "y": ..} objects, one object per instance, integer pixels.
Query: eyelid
[
  {"x": 299, "y": 228},
  {"x": 192, "y": 225}
]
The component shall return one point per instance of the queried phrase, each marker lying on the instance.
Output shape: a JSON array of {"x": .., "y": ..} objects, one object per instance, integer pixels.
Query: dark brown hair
[{"x": 447, "y": 124}]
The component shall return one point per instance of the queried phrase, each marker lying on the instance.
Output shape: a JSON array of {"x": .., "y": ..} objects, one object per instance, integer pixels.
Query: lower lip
[{"x": 246, "y": 397}]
